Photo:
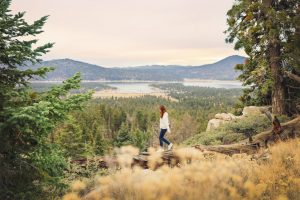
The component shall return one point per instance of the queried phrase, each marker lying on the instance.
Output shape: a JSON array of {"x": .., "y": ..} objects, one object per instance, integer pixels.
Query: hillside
[
  {"x": 65, "y": 68},
  {"x": 187, "y": 172}
]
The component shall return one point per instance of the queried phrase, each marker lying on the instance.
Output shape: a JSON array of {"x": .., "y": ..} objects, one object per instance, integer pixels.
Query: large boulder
[
  {"x": 253, "y": 110},
  {"x": 222, "y": 118},
  {"x": 225, "y": 116},
  {"x": 214, "y": 124}
]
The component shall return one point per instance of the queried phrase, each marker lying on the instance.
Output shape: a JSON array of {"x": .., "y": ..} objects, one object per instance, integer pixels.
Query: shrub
[{"x": 220, "y": 177}]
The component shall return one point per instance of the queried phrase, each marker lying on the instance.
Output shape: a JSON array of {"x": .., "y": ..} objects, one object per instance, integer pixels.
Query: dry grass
[{"x": 219, "y": 177}]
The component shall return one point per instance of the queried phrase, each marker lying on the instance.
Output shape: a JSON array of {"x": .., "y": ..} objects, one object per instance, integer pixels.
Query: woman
[{"x": 164, "y": 127}]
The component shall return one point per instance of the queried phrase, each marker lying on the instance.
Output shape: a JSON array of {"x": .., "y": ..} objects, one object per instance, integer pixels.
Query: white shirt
[{"x": 164, "y": 122}]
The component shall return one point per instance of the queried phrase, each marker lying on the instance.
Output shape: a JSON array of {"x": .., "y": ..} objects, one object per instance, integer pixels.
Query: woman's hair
[{"x": 162, "y": 109}]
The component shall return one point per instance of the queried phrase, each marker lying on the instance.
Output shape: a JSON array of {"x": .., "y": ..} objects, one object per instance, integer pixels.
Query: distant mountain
[{"x": 65, "y": 68}]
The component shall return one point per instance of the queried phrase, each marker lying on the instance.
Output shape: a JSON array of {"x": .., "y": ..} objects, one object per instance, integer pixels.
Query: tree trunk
[{"x": 278, "y": 91}]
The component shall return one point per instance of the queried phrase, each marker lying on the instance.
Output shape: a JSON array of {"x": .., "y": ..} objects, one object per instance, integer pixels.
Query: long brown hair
[{"x": 162, "y": 109}]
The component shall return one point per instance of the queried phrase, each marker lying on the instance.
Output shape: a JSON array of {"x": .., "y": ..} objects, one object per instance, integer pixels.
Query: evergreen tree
[
  {"x": 267, "y": 31},
  {"x": 28, "y": 160},
  {"x": 70, "y": 137},
  {"x": 140, "y": 139},
  {"x": 123, "y": 136},
  {"x": 142, "y": 120}
]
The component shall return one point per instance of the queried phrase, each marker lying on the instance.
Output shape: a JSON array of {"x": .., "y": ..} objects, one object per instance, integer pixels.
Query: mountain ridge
[{"x": 66, "y": 67}]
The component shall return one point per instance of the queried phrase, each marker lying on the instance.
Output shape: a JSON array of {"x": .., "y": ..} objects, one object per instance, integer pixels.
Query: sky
[{"x": 121, "y": 33}]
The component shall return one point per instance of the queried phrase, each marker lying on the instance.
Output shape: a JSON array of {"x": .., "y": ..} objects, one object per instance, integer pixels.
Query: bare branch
[{"x": 292, "y": 76}]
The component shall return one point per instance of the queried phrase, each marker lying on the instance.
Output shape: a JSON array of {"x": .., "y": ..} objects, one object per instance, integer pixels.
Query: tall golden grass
[{"x": 197, "y": 177}]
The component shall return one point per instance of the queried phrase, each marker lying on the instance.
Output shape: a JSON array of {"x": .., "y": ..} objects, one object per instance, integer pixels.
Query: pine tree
[
  {"x": 123, "y": 136},
  {"x": 70, "y": 137},
  {"x": 140, "y": 139},
  {"x": 141, "y": 120},
  {"x": 266, "y": 30},
  {"x": 29, "y": 162}
]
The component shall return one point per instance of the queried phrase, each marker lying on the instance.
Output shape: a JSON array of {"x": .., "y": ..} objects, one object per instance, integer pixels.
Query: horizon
[{"x": 133, "y": 33}]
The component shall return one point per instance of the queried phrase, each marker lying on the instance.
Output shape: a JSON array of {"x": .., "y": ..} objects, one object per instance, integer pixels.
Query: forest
[
  {"x": 43, "y": 86},
  {"x": 106, "y": 123},
  {"x": 46, "y": 132}
]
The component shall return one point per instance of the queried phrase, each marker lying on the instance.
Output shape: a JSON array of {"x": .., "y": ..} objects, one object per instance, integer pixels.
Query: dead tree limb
[
  {"x": 292, "y": 76},
  {"x": 285, "y": 131}
]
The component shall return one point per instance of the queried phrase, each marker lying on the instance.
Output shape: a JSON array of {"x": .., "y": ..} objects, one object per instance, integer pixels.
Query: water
[
  {"x": 141, "y": 87},
  {"x": 144, "y": 87},
  {"x": 136, "y": 87},
  {"x": 214, "y": 84}
]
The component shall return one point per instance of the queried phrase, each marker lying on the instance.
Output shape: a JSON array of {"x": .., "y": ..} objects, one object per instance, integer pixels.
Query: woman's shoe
[{"x": 170, "y": 146}]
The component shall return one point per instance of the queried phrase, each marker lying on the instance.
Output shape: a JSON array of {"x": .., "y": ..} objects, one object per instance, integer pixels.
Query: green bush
[
  {"x": 256, "y": 123},
  {"x": 215, "y": 137}
]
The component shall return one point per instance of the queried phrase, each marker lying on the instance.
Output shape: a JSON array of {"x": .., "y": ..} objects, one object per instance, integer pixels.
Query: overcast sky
[{"x": 120, "y": 33}]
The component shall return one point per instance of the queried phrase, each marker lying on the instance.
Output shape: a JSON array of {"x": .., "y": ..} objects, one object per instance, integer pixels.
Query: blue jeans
[{"x": 161, "y": 137}]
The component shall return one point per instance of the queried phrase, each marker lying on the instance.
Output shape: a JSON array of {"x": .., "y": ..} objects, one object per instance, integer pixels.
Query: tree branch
[{"x": 292, "y": 76}]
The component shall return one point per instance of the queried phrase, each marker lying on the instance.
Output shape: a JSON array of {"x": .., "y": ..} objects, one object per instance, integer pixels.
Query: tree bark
[{"x": 278, "y": 91}]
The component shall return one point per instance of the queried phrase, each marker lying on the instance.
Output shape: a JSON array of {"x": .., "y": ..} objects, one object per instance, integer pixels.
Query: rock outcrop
[
  {"x": 223, "y": 118},
  {"x": 253, "y": 110},
  {"x": 226, "y": 116},
  {"x": 214, "y": 124}
]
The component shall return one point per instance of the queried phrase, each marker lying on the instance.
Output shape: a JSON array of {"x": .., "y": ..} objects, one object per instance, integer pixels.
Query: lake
[
  {"x": 134, "y": 87},
  {"x": 214, "y": 84},
  {"x": 138, "y": 87},
  {"x": 145, "y": 87}
]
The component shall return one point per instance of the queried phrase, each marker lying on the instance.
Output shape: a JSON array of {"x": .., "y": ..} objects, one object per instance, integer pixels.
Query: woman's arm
[{"x": 166, "y": 121}]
